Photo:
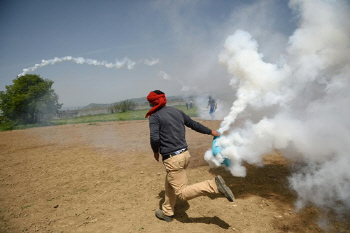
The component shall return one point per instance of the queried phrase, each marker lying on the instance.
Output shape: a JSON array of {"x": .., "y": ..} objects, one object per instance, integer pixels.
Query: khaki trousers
[{"x": 176, "y": 183}]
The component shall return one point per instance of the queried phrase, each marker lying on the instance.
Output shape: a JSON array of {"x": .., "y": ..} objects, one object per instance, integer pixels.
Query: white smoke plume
[
  {"x": 151, "y": 62},
  {"x": 299, "y": 107},
  {"x": 164, "y": 75},
  {"x": 126, "y": 62}
]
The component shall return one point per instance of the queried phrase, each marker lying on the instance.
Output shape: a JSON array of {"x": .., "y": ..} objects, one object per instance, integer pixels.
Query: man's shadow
[{"x": 181, "y": 215}]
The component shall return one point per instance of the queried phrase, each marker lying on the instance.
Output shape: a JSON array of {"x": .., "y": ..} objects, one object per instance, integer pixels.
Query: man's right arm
[{"x": 154, "y": 134}]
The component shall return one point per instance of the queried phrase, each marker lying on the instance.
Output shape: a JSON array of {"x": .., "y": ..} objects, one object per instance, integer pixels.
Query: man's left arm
[{"x": 198, "y": 126}]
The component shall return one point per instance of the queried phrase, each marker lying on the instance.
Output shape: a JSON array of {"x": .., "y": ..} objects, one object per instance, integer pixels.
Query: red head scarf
[{"x": 158, "y": 99}]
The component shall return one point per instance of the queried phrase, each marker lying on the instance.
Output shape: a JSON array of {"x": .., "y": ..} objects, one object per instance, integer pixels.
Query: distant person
[
  {"x": 191, "y": 104},
  {"x": 213, "y": 106},
  {"x": 187, "y": 105},
  {"x": 167, "y": 137}
]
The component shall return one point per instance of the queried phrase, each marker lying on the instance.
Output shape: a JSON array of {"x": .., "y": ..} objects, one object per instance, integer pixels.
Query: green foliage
[
  {"x": 7, "y": 126},
  {"x": 121, "y": 116},
  {"x": 123, "y": 106},
  {"x": 29, "y": 100}
]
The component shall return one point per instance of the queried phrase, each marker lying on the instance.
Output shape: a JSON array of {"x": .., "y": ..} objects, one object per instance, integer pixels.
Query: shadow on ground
[
  {"x": 269, "y": 181},
  {"x": 180, "y": 214}
]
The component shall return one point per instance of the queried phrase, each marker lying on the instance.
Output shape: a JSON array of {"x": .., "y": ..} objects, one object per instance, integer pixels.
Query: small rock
[{"x": 94, "y": 220}]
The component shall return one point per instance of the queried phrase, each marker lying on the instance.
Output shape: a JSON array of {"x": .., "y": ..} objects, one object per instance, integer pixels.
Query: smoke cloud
[
  {"x": 299, "y": 106},
  {"x": 124, "y": 63}
]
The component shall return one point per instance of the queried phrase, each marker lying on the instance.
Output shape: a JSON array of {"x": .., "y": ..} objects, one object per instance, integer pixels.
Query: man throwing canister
[{"x": 167, "y": 135}]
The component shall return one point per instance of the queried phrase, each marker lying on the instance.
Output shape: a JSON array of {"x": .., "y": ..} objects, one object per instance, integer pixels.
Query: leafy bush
[
  {"x": 30, "y": 99},
  {"x": 123, "y": 106},
  {"x": 9, "y": 125}
]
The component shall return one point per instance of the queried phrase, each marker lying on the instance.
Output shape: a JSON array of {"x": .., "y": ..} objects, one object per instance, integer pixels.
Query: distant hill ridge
[{"x": 138, "y": 101}]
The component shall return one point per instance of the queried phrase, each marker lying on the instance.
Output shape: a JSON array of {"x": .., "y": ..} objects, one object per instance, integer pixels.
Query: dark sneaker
[
  {"x": 223, "y": 189},
  {"x": 160, "y": 215}
]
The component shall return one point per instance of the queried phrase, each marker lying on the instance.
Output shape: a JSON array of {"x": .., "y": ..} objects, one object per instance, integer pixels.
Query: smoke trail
[
  {"x": 164, "y": 75},
  {"x": 151, "y": 62},
  {"x": 305, "y": 101},
  {"x": 126, "y": 62}
]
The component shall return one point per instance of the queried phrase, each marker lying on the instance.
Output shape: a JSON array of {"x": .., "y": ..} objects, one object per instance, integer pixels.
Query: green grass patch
[
  {"x": 92, "y": 119},
  {"x": 26, "y": 206},
  {"x": 122, "y": 116}
]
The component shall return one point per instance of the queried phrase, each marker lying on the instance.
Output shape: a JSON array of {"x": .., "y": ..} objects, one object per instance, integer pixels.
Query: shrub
[{"x": 123, "y": 106}]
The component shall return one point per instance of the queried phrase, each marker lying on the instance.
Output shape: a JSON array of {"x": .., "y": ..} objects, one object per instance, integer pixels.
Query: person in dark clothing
[
  {"x": 213, "y": 106},
  {"x": 167, "y": 137}
]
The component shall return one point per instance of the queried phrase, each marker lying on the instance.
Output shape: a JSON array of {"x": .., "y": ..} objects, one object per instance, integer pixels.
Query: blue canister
[{"x": 216, "y": 150}]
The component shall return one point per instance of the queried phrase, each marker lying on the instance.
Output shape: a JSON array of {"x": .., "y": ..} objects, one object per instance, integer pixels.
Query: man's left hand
[{"x": 215, "y": 133}]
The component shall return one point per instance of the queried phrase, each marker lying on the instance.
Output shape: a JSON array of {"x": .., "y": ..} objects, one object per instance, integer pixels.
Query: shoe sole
[
  {"x": 160, "y": 215},
  {"x": 226, "y": 190}
]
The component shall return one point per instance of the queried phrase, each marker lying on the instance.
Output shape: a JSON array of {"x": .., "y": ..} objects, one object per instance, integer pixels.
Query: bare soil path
[{"x": 102, "y": 178}]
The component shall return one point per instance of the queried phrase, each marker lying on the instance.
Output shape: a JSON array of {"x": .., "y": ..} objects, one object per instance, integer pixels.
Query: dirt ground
[{"x": 102, "y": 177}]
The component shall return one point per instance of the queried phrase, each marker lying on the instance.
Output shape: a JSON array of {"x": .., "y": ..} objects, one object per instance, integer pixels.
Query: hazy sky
[{"x": 186, "y": 37}]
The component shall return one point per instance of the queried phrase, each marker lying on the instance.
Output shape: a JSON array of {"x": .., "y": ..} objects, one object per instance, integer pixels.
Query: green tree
[{"x": 30, "y": 99}]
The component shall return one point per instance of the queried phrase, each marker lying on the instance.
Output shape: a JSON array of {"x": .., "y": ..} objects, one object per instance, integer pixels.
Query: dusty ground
[{"x": 102, "y": 178}]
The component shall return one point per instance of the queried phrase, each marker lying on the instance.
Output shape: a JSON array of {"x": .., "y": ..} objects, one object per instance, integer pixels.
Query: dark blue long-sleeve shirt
[{"x": 167, "y": 130}]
